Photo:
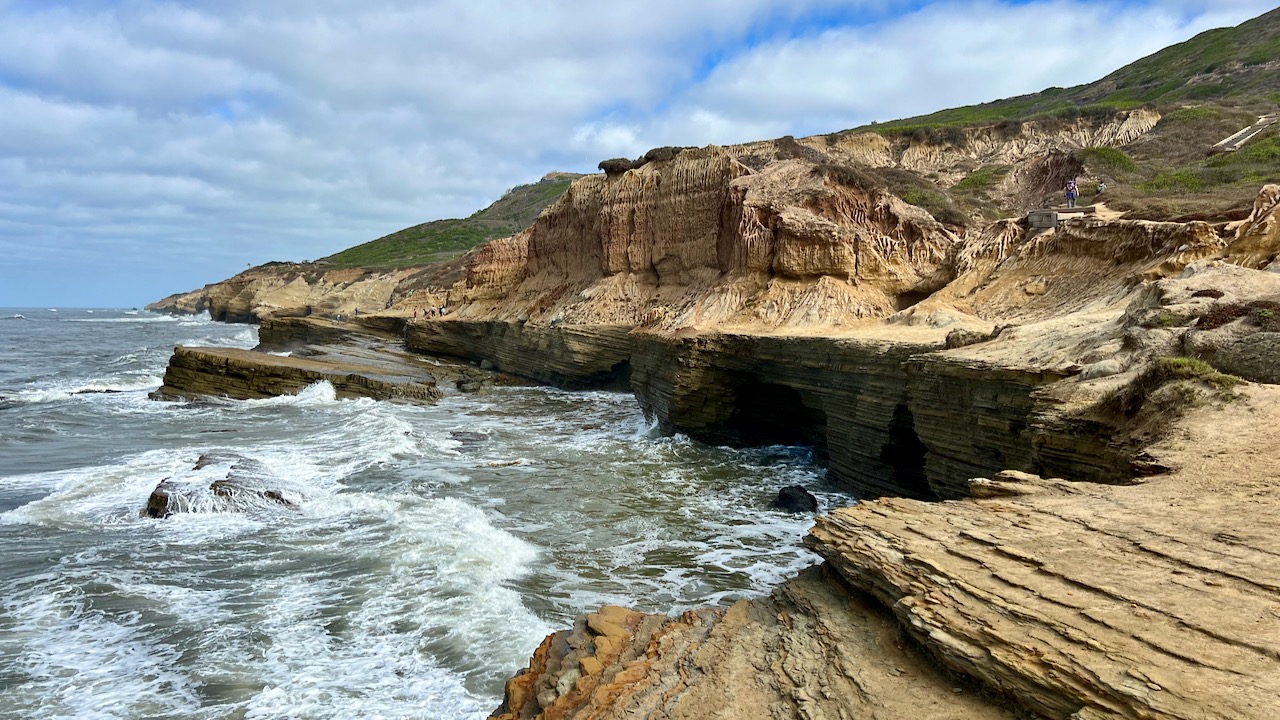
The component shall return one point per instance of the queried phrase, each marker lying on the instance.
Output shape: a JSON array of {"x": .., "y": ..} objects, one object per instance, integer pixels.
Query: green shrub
[
  {"x": 1263, "y": 151},
  {"x": 1264, "y": 313},
  {"x": 1110, "y": 159},
  {"x": 979, "y": 179},
  {"x": 1192, "y": 114},
  {"x": 1175, "y": 181},
  {"x": 1186, "y": 372}
]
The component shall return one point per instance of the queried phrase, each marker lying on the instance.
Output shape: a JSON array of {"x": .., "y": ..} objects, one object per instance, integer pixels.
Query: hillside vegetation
[
  {"x": 445, "y": 239},
  {"x": 1237, "y": 66},
  {"x": 1205, "y": 89}
]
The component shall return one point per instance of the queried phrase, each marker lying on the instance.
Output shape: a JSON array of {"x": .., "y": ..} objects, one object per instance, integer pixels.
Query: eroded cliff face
[
  {"x": 301, "y": 289},
  {"x": 792, "y": 304},
  {"x": 703, "y": 239}
]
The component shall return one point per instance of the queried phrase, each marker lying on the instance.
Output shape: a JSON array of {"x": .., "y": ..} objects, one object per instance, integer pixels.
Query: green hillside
[
  {"x": 1230, "y": 66},
  {"x": 444, "y": 239}
]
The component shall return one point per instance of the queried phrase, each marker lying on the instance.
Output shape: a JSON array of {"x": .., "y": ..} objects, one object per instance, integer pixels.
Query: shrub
[
  {"x": 1009, "y": 128},
  {"x": 1130, "y": 399},
  {"x": 849, "y": 175},
  {"x": 1109, "y": 159},
  {"x": 615, "y": 166},
  {"x": 1192, "y": 114},
  {"x": 937, "y": 204},
  {"x": 661, "y": 154},
  {"x": 1209, "y": 293},
  {"x": 1264, "y": 313},
  {"x": 978, "y": 180},
  {"x": 1175, "y": 181}
]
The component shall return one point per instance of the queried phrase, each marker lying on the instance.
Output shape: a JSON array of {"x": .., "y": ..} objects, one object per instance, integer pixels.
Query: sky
[{"x": 148, "y": 147}]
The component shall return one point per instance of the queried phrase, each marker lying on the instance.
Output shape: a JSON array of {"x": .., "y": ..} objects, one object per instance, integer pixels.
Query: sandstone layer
[
  {"x": 768, "y": 294},
  {"x": 248, "y": 374},
  {"x": 1088, "y": 601},
  {"x": 1069, "y": 600},
  {"x": 810, "y": 650}
]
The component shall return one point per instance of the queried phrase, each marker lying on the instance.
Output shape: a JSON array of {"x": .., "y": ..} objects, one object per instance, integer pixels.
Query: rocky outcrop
[
  {"x": 277, "y": 290},
  {"x": 574, "y": 357},
  {"x": 810, "y": 650},
  {"x": 1257, "y": 241},
  {"x": 247, "y": 374},
  {"x": 219, "y": 483},
  {"x": 1088, "y": 601}
]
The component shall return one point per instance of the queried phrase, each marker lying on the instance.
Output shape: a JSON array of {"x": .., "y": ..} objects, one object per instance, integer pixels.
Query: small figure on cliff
[
  {"x": 356, "y": 313},
  {"x": 1101, "y": 186},
  {"x": 1073, "y": 192}
]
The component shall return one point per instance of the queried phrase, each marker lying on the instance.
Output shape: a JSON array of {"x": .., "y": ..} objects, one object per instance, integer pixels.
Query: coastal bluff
[{"x": 1059, "y": 436}]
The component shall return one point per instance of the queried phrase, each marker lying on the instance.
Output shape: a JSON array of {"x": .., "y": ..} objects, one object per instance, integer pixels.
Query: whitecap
[
  {"x": 74, "y": 661},
  {"x": 87, "y": 388}
]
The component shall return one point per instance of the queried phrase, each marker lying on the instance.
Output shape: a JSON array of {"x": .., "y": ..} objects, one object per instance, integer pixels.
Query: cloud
[{"x": 149, "y": 147}]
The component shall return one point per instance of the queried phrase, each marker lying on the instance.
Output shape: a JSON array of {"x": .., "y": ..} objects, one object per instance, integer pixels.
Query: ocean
[{"x": 421, "y": 553}]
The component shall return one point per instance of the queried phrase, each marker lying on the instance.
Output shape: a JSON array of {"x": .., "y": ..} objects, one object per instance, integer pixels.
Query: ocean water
[{"x": 421, "y": 555}]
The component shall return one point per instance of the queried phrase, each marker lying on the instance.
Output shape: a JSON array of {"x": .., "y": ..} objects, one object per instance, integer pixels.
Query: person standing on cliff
[{"x": 1073, "y": 192}]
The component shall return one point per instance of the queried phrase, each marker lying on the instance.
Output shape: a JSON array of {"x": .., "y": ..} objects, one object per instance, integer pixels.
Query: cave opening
[
  {"x": 909, "y": 298},
  {"x": 772, "y": 414},
  {"x": 904, "y": 453}
]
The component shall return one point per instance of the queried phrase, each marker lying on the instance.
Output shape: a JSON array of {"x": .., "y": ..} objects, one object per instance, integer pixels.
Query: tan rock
[{"x": 810, "y": 650}]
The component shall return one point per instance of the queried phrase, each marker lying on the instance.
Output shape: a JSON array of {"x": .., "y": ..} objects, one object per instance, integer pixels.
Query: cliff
[
  {"x": 1068, "y": 482},
  {"x": 919, "y": 362}
]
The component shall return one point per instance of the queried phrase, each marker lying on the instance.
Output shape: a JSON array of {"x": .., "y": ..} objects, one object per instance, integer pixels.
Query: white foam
[
  {"x": 86, "y": 388},
  {"x": 438, "y": 589},
  {"x": 77, "y": 662},
  {"x": 243, "y": 338},
  {"x": 133, "y": 319},
  {"x": 315, "y": 395}
]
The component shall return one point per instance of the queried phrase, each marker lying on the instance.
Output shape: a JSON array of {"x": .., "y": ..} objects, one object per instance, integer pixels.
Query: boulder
[{"x": 794, "y": 498}]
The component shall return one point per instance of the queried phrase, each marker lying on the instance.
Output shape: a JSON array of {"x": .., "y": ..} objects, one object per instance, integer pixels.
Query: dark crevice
[
  {"x": 908, "y": 299},
  {"x": 769, "y": 414},
  {"x": 905, "y": 455}
]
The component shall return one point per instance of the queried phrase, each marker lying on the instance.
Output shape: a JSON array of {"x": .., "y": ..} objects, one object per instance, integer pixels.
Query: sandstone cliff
[{"x": 765, "y": 294}]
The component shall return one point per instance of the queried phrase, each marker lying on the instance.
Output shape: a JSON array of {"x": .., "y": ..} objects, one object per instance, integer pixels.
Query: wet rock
[
  {"x": 217, "y": 483},
  {"x": 246, "y": 374},
  {"x": 158, "y": 502},
  {"x": 469, "y": 440},
  {"x": 794, "y": 498},
  {"x": 232, "y": 490}
]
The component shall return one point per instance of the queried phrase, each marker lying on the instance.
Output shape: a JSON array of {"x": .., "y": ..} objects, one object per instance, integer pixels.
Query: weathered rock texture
[
  {"x": 248, "y": 374},
  {"x": 770, "y": 293},
  {"x": 285, "y": 289},
  {"x": 1089, "y": 601},
  {"x": 811, "y": 650},
  {"x": 220, "y": 483}
]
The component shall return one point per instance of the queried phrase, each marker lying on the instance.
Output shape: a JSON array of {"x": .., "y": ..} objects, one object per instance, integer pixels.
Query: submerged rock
[
  {"x": 216, "y": 483},
  {"x": 796, "y": 499}
]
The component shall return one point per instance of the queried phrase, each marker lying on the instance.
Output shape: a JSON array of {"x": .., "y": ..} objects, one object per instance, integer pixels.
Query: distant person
[
  {"x": 1101, "y": 186},
  {"x": 1073, "y": 192}
]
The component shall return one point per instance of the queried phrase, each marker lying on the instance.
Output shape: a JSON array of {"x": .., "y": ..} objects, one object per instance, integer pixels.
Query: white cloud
[{"x": 149, "y": 147}]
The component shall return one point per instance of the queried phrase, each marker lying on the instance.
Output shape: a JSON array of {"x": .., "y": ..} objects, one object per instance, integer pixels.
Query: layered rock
[
  {"x": 810, "y": 650},
  {"x": 220, "y": 483},
  {"x": 247, "y": 374},
  {"x": 1089, "y": 601}
]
